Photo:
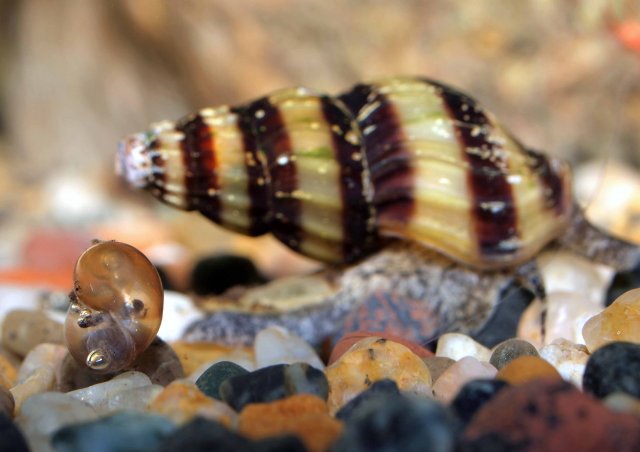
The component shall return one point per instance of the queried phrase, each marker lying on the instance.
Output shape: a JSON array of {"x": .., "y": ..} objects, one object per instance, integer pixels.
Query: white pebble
[
  {"x": 178, "y": 313},
  {"x": 568, "y": 358},
  {"x": 276, "y": 345},
  {"x": 98, "y": 395},
  {"x": 456, "y": 346}
]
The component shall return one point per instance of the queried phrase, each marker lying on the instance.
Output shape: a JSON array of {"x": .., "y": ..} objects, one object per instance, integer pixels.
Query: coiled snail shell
[
  {"x": 332, "y": 177},
  {"x": 116, "y": 307}
]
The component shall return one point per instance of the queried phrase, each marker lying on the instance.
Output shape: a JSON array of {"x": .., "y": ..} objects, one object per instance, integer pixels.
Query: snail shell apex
[
  {"x": 116, "y": 307},
  {"x": 331, "y": 177}
]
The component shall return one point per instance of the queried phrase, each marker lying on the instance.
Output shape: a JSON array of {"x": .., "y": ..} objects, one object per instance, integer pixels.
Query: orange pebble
[
  {"x": 303, "y": 415},
  {"x": 526, "y": 368},
  {"x": 194, "y": 354},
  {"x": 8, "y": 373},
  {"x": 349, "y": 339}
]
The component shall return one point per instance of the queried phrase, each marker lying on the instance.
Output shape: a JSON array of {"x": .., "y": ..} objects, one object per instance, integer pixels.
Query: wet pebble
[
  {"x": 42, "y": 355},
  {"x": 11, "y": 438},
  {"x": 456, "y": 346},
  {"x": 549, "y": 414},
  {"x": 40, "y": 380},
  {"x": 458, "y": 374},
  {"x": 159, "y": 362},
  {"x": 347, "y": 341},
  {"x": 101, "y": 396},
  {"x": 181, "y": 401},
  {"x": 125, "y": 430},
  {"x": 568, "y": 358},
  {"x": 620, "y": 321},
  {"x": 507, "y": 351},
  {"x": 303, "y": 415},
  {"x": 380, "y": 388},
  {"x": 276, "y": 345},
  {"x": 273, "y": 383},
  {"x": 7, "y": 404},
  {"x": 527, "y": 368},
  {"x": 473, "y": 395},
  {"x": 43, "y": 414},
  {"x": 399, "y": 422},
  {"x": 209, "y": 382},
  {"x": 614, "y": 367},
  {"x": 372, "y": 359},
  {"x": 437, "y": 365},
  {"x": 23, "y": 330}
]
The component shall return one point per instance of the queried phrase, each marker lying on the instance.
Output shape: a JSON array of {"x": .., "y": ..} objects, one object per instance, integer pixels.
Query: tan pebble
[
  {"x": 181, "y": 401},
  {"x": 526, "y": 368},
  {"x": 23, "y": 330},
  {"x": 620, "y": 321},
  {"x": 456, "y": 346},
  {"x": 194, "y": 355},
  {"x": 451, "y": 381},
  {"x": 372, "y": 359},
  {"x": 303, "y": 415},
  {"x": 568, "y": 358},
  {"x": 529, "y": 328},
  {"x": 8, "y": 373},
  {"x": 41, "y": 380},
  {"x": 437, "y": 365}
]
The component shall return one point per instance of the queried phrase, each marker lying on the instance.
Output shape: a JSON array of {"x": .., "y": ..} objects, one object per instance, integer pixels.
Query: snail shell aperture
[
  {"x": 333, "y": 176},
  {"x": 116, "y": 307}
]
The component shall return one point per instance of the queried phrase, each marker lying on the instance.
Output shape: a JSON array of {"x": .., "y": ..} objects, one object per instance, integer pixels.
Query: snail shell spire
[{"x": 331, "y": 177}]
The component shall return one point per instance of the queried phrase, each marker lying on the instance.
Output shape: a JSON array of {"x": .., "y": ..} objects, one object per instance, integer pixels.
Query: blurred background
[{"x": 75, "y": 76}]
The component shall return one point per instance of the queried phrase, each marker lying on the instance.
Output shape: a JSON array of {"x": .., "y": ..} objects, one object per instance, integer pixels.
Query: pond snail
[
  {"x": 116, "y": 307},
  {"x": 334, "y": 177}
]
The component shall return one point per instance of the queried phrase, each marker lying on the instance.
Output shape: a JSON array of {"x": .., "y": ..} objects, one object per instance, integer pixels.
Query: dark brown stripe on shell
[
  {"x": 273, "y": 138},
  {"x": 493, "y": 209},
  {"x": 553, "y": 189},
  {"x": 257, "y": 174},
  {"x": 389, "y": 160},
  {"x": 201, "y": 181},
  {"x": 356, "y": 211}
]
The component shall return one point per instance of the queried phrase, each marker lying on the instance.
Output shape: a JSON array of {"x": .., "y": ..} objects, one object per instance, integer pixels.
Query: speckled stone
[
  {"x": 614, "y": 367},
  {"x": 303, "y": 415},
  {"x": 456, "y": 346},
  {"x": 510, "y": 349},
  {"x": 437, "y": 365},
  {"x": 23, "y": 330},
  {"x": 380, "y": 388},
  {"x": 276, "y": 345},
  {"x": 569, "y": 359},
  {"x": 473, "y": 395},
  {"x": 273, "y": 383},
  {"x": 372, "y": 359},
  {"x": 458, "y": 374},
  {"x": 11, "y": 438},
  {"x": 181, "y": 401},
  {"x": 527, "y": 368},
  {"x": 209, "y": 382},
  {"x": 618, "y": 322},
  {"x": 549, "y": 414},
  {"x": 7, "y": 404},
  {"x": 349, "y": 339},
  {"x": 399, "y": 423},
  {"x": 125, "y": 430}
]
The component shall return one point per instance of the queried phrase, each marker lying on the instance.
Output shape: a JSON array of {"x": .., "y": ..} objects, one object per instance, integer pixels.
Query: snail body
[
  {"x": 334, "y": 177},
  {"x": 116, "y": 307}
]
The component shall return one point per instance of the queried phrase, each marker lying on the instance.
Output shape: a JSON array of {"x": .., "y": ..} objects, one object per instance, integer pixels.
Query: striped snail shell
[
  {"x": 116, "y": 307},
  {"x": 333, "y": 177}
]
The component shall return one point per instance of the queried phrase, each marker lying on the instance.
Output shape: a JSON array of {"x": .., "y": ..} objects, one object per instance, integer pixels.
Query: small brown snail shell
[{"x": 116, "y": 307}]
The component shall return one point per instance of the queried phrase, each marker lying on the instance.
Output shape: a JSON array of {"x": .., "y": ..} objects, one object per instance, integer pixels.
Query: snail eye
[{"x": 116, "y": 307}]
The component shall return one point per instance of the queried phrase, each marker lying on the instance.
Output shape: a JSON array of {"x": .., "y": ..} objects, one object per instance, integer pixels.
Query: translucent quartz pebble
[
  {"x": 98, "y": 395},
  {"x": 456, "y": 346},
  {"x": 568, "y": 358},
  {"x": 179, "y": 311},
  {"x": 130, "y": 399},
  {"x": 373, "y": 359},
  {"x": 620, "y": 321},
  {"x": 276, "y": 345},
  {"x": 45, "y": 413},
  {"x": 40, "y": 380},
  {"x": 458, "y": 374},
  {"x": 564, "y": 271},
  {"x": 50, "y": 355}
]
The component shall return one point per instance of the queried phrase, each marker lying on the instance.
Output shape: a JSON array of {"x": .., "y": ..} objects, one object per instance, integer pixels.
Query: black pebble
[
  {"x": 11, "y": 439},
  {"x": 507, "y": 351},
  {"x": 614, "y": 367},
  {"x": 381, "y": 388},
  {"x": 215, "y": 274},
  {"x": 210, "y": 380},
  {"x": 622, "y": 282},
  {"x": 503, "y": 323},
  {"x": 399, "y": 422},
  {"x": 273, "y": 383},
  {"x": 473, "y": 395}
]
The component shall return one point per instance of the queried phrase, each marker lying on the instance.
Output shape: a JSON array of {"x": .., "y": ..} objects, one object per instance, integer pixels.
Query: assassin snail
[
  {"x": 332, "y": 177},
  {"x": 116, "y": 307},
  {"x": 342, "y": 178}
]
